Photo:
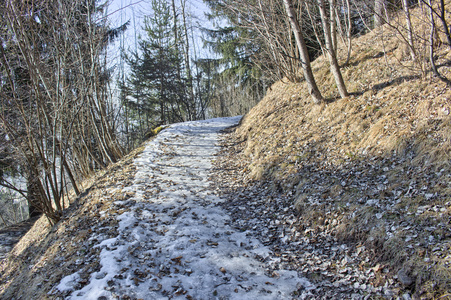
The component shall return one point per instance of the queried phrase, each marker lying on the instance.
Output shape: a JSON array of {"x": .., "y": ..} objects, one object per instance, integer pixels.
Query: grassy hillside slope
[{"x": 374, "y": 168}]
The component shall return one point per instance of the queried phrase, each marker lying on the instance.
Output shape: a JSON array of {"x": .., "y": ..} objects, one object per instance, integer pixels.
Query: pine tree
[
  {"x": 156, "y": 87},
  {"x": 236, "y": 67}
]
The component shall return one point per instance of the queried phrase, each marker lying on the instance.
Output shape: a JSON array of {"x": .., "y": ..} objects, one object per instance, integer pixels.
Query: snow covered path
[{"x": 174, "y": 241}]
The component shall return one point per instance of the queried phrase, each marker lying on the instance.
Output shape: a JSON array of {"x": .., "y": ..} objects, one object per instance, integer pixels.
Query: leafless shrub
[{"x": 53, "y": 96}]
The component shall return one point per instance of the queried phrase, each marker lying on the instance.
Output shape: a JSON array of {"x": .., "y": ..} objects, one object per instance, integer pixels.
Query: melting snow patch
[
  {"x": 173, "y": 241},
  {"x": 68, "y": 282}
]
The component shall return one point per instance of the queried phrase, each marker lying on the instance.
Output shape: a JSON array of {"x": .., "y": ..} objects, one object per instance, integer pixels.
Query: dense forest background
[{"x": 67, "y": 111}]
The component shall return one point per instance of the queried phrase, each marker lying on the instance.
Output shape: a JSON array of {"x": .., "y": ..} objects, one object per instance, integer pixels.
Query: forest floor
[
  {"x": 357, "y": 190},
  {"x": 323, "y": 241}
]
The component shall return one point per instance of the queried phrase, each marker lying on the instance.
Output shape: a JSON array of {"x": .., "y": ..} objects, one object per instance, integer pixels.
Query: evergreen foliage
[
  {"x": 239, "y": 81},
  {"x": 156, "y": 90}
]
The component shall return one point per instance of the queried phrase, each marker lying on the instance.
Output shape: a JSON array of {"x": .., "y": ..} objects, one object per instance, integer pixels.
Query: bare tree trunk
[
  {"x": 411, "y": 44},
  {"x": 177, "y": 41},
  {"x": 59, "y": 101},
  {"x": 333, "y": 24},
  {"x": 345, "y": 33},
  {"x": 34, "y": 203},
  {"x": 331, "y": 54},
  {"x": 189, "y": 76},
  {"x": 202, "y": 98},
  {"x": 378, "y": 17},
  {"x": 444, "y": 23},
  {"x": 431, "y": 48},
  {"x": 305, "y": 60},
  {"x": 348, "y": 31}
]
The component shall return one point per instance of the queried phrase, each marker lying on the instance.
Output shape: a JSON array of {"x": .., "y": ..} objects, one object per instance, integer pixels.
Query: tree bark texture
[
  {"x": 305, "y": 60},
  {"x": 331, "y": 54}
]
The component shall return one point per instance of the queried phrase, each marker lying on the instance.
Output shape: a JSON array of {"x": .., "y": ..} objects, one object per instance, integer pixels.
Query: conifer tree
[
  {"x": 156, "y": 88},
  {"x": 237, "y": 78}
]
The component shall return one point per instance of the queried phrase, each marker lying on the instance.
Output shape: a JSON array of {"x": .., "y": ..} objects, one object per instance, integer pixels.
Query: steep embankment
[{"x": 373, "y": 170}]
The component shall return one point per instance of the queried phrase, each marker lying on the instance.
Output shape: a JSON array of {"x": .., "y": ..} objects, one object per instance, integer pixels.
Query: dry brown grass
[
  {"x": 392, "y": 108},
  {"x": 396, "y": 123}
]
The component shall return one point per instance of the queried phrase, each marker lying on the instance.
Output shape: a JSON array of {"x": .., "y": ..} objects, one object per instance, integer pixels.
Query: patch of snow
[
  {"x": 68, "y": 282},
  {"x": 174, "y": 242}
]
